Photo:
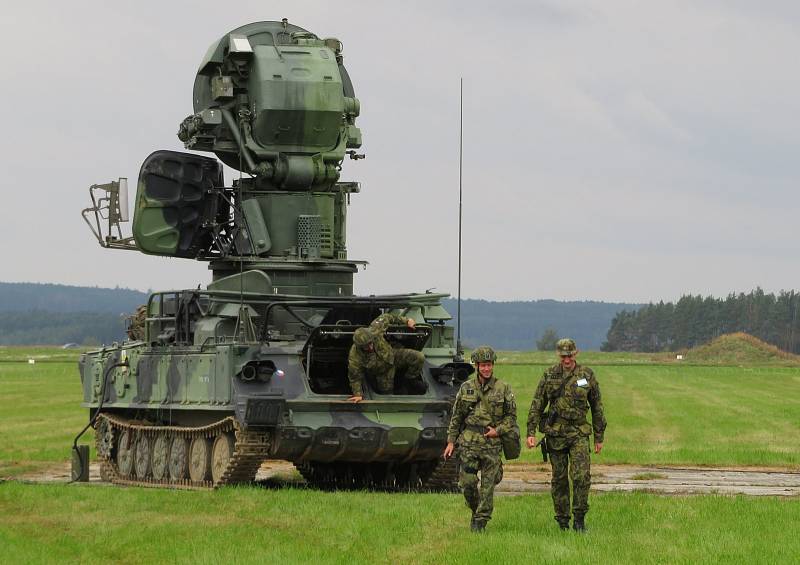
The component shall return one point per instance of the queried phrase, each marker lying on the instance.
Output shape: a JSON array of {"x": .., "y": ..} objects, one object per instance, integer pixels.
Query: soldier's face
[
  {"x": 485, "y": 369},
  {"x": 568, "y": 362},
  {"x": 369, "y": 348}
]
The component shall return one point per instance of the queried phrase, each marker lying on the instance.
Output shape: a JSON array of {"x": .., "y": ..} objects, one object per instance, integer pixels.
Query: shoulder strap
[
  {"x": 560, "y": 390},
  {"x": 486, "y": 408}
]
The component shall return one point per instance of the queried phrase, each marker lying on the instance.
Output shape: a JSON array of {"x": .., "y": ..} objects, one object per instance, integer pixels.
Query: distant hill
[
  {"x": 22, "y": 297},
  {"x": 517, "y": 325},
  {"x": 54, "y": 314},
  {"x": 38, "y": 314},
  {"x": 739, "y": 349}
]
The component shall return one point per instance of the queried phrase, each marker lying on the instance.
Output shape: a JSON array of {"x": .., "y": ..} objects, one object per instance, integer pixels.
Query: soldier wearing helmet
[
  {"x": 372, "y": 356},
  {"x": 484, "y": 410},
  {"x": 566, "y": 392}
]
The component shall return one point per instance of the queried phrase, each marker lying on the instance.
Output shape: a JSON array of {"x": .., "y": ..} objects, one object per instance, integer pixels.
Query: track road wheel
[
  {"x": 178, "y": 465},
  {"x": 160, "y": 457},
  {"x": 199, "y": 460},
  {"x": 142, "y": 460},
  {"x": 220, "y": 456},
  {"x": 125, "y": 454}
]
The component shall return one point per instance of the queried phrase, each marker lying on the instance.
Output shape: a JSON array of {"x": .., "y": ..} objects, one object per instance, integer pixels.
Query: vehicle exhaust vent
[{"x": 309, "y": 236}]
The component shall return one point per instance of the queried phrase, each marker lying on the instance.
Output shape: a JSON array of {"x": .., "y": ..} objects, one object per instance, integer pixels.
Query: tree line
[{"x": 695, "y": 320}]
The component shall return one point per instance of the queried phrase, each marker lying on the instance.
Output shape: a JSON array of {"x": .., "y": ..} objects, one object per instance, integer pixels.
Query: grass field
[
  {"x": 689, "y": 415},
  {"x": 668, "y": 414},
  {"x": 253, "y": 525}
]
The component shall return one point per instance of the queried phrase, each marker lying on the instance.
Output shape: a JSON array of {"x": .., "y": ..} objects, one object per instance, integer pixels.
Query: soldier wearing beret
[
  {"x": 484, "y": 410},
  {"x": 372, "y": 356},
  {"x": 566, "y": 392}
]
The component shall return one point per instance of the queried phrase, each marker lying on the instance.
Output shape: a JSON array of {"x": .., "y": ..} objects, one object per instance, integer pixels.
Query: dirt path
[
  {"x": 524, "y": 477},
  {"x": 521, "y": 478}
]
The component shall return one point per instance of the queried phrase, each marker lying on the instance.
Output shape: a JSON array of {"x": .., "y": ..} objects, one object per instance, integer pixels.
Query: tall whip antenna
[{"x": 459, "y": 350}]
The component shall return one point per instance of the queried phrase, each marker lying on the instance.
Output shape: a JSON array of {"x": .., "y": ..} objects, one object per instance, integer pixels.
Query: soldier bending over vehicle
[{"x": 372, "y": 356}]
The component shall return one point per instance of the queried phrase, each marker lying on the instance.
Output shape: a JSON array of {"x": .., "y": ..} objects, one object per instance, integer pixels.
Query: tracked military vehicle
[{"x": 255, "y": 366}]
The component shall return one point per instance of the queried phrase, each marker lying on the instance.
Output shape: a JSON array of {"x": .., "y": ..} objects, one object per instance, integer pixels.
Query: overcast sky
[{"x": 613, "y": 150}]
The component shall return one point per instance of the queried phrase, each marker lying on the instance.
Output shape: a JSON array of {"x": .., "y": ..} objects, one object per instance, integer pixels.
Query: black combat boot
[
  {"x": 577, "y": 524},
  {"x": 477, "y": 526},
  {"x": 563, "y": 522}
]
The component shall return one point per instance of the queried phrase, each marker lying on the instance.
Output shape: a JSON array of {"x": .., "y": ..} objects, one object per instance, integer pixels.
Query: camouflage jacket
[
  {"x": 478, "y": 406},
  {"x": 380, "y": 360},
  {"x": 581, "y": 393}
]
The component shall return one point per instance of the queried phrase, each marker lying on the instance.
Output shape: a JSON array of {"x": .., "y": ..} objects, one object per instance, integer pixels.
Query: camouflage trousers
[
  {"x": 479, "y": 494},
  {"x": 571, "y": 462},
  {"x": 407, "y": 367}
]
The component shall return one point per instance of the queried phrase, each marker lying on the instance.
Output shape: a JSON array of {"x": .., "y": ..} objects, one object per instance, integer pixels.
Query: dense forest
[
  {"x": 694, "y": 320},
  {"x": 57, "y": 314}
]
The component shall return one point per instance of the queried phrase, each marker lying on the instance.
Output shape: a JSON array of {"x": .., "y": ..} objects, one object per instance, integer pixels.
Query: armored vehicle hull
[{"x": 209, "y": 413}]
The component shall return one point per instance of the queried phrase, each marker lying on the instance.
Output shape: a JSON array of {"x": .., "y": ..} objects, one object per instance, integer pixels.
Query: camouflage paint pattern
[
  {"x": 196, "y": 385},
  {"x": 477, "y": 406},
  {"x": 568, "y": 433}
]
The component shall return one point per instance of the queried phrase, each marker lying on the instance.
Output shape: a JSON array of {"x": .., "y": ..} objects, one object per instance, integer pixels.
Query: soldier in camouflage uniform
[
  {"x": 484, "y": 410},
  {"x": 567, "y": 391},
  {"x": 372, "y": 356},
  {"x": 136, "y": 324}
]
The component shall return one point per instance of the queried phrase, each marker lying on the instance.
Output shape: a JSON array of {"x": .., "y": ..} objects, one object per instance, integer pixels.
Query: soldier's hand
[
  {"x": 490, "y": 432},
  {"x": 355, "y": 399},
  {"x": 531, "y": 441},
  {"x": 448, "y": 451},
  {"x": 411, "y": 323},
  {"x": 598, "y": 446}
]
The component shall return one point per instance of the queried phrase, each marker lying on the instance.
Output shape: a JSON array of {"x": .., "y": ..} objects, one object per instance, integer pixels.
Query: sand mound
[{"x": 739, "y": 348}]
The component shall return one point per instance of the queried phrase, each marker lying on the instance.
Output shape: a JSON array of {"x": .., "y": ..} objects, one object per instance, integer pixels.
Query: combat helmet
[
  {"x": 483, "y": 354},
  {"x": 362, "y": 337},
  {"x": 566, "y": 346}
]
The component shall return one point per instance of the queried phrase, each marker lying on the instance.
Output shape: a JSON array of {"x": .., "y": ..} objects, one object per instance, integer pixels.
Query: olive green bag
[{"x": 510, "y": 441}]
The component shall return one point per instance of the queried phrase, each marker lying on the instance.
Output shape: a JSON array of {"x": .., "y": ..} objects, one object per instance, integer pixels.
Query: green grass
[
  {"x": 41, "y": 354},
  {"x": 732, "y": 350},
  {"x": 57, "y": 523},
  {"x": 685, "y": 415},
  {"x": 40, "y": 414}
]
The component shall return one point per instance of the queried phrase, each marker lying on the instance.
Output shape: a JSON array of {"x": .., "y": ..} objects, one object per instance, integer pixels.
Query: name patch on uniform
[{"x": 582, "y": 382}]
